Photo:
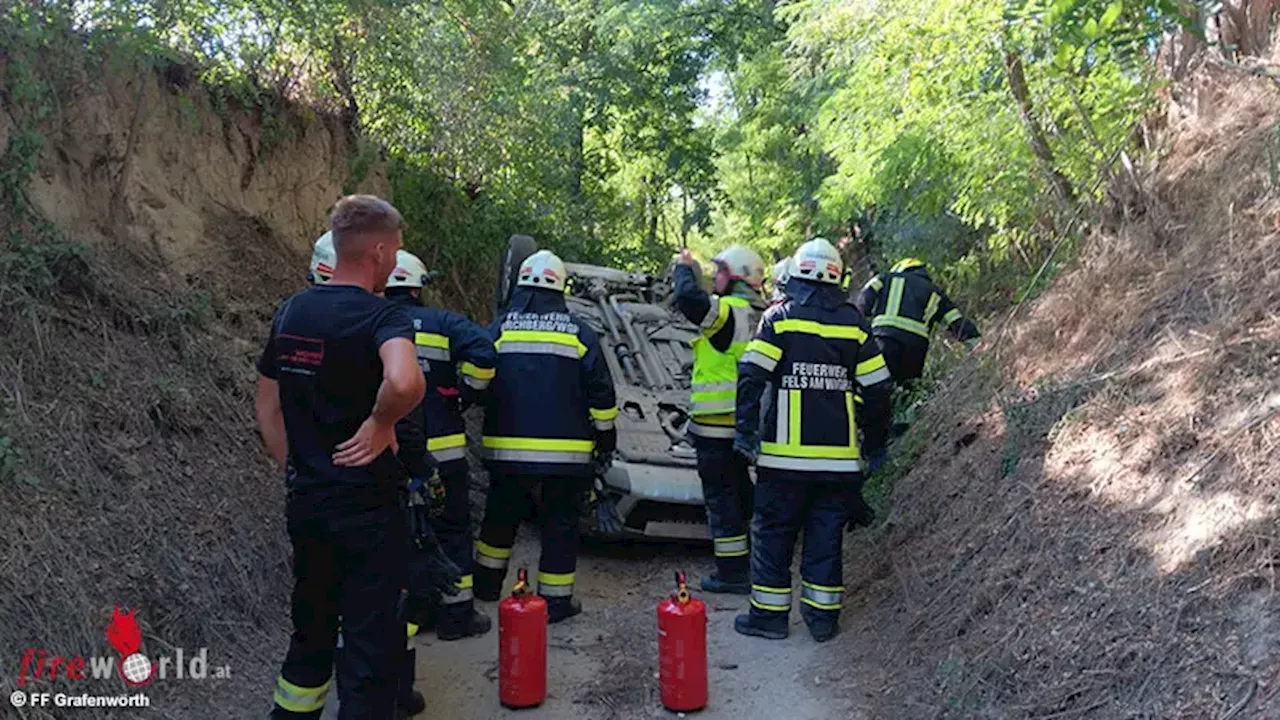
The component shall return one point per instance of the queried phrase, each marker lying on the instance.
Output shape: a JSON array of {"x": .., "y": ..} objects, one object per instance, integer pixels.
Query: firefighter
[
  {"x": 779, "y": 277},
  {"x": 549, "y": 419},
  {"x": 904, "y": 306},
  {"x": 448, "y": 345},
  {"x": 337, "y": 373},
  {"x": 727, "y": 319},
  {"x": 813, "y": 348}
]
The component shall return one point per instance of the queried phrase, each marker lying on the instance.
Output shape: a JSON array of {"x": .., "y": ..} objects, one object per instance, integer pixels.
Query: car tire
[{"x": 519, "y": 247}]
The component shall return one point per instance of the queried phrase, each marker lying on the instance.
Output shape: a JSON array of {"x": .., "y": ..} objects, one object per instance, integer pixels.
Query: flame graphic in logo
[{"x": 124, "y": 635}]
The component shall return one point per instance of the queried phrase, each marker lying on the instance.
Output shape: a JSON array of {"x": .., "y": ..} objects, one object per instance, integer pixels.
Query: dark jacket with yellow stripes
[
  {"x": 449, "y": 346},
  {"x": 906, "y": 306},
  {"x": 814, "y": 349},
  {"x": 551, "y": 404}
]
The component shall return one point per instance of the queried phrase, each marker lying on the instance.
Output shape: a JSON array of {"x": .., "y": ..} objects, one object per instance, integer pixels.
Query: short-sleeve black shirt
[{"x": 323, "y": 352}]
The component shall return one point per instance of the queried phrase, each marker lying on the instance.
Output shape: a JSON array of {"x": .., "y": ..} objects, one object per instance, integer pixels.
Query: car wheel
[{"x": 519, "y": 247}]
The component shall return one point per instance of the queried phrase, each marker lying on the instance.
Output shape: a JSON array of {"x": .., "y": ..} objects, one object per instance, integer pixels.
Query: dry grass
[
  {"x": 139, "y": 479},
  {"x": 1097, "y": 535}
]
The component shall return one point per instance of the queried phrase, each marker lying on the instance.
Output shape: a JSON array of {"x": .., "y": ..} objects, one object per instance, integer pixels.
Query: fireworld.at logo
[{"x": 130, "y": 664}]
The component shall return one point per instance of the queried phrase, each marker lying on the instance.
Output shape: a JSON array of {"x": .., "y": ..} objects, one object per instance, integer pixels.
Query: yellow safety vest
[{"x": 715, "y": 374}]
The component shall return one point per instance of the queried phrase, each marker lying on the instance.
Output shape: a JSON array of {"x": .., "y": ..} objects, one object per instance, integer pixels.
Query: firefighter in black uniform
[
  {"x": 550, "y": 420},
  {"x": 338, "y": 371},
  {"x": 904, "y": 306},
  {"x": 812, "y": 348},
  {"x": 448, "y": 345}
]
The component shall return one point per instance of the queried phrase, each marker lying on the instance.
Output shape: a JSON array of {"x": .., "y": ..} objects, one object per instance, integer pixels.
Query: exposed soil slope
[
  {"x": 1091, "y": 527},
  {"x": 130, "y": 473}
]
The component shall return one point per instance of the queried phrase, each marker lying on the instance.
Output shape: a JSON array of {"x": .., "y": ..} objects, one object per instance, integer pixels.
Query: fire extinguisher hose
[{"x": 682, "y": 588}]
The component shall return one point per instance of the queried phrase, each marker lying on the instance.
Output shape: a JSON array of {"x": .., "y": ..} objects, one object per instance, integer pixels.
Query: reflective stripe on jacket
[
  {"x": 727, "y": 323},
  {"x": 715, "y": 373},
  {"x": 910, "y": 304},
  {"x": 814, "y": 350},
  {"x": 452, "y": 350},
  {"x": 552, "y": 391}
]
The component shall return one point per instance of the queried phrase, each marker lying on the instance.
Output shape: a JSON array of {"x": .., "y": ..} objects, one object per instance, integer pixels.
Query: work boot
[
  {"x": 823, "y": 626},
  {"x": 487, "y": 585},
  {"x": 562, "y": 608},
  {"x": 409, "y": 702},
  {"x": 415, "y": 704},
  {"x": 748, "y": 624},
  {"x": 713, "y": 584},
  {"x": 455, "y": 625}
]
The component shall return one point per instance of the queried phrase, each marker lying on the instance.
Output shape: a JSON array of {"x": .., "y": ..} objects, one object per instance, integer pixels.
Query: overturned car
[{"x": 652, "y": 490}]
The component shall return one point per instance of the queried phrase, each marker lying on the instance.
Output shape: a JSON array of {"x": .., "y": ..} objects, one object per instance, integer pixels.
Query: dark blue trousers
[
  {"x": 784, "y": 508},
  {"x": 727, "y": 491},
  {"x": 453, "y": 530}
]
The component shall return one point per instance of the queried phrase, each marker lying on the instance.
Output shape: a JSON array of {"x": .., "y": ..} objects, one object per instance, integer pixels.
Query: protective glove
[
  {"x": 606, "y": 510},
  {"x": 606, "y": 442},
  {"x": 860, "y": 513},
  {"x": 972, "y": 344},
  {"x": 440, "y": 575},
  {"x": 602, "y": 463},
  {"x": 428, "y": 492},
  {"x": 747, "y": 447},
  {"x": 876, "y": 459}
]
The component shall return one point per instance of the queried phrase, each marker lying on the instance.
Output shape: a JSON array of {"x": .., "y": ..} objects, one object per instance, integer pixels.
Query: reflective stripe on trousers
[
  {"x": 297, "y": 699},
  {"x": 493, "y": 558},
  {"x": 555, "y": 584},
  {"x": 731, "y": 546},
  {"x": 822, "y": 597},
  {"x": 771, "y": 599}
]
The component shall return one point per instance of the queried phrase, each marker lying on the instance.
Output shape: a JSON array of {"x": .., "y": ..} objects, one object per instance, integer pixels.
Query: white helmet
[
  {"x": 542, "y": 270},
  {"x": 782, "y": 272},
  {"x": 409, "y": 271},
  {"x": 743, "y": 264},
  {"x": 323, "y": 260},
  {"x": 819, "y": 261}
]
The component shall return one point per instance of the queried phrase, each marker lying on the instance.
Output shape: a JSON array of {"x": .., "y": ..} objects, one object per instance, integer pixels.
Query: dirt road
[{"x": 603, "y": 663}]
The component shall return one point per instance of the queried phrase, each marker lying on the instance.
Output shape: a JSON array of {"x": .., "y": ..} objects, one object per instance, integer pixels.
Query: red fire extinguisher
[
  {"x": 682, "y": 650},
  {"x": 522, "y": 647}
]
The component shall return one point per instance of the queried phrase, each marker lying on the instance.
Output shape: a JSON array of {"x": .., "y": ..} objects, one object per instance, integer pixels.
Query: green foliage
[
  {"x": 899, "y": 120},
  {"x": 620, "y": 130}
]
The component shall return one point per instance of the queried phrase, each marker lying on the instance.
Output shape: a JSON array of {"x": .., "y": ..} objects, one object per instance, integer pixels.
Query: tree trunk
[
  {"x": 340, "y": 65},
  {"x": 1062, "y": 189}
]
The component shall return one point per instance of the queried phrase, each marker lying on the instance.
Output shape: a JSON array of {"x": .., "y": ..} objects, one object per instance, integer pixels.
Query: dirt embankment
[
  {"x": 130, "y": 473},
  {"x": 1090, "y": 530}
]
